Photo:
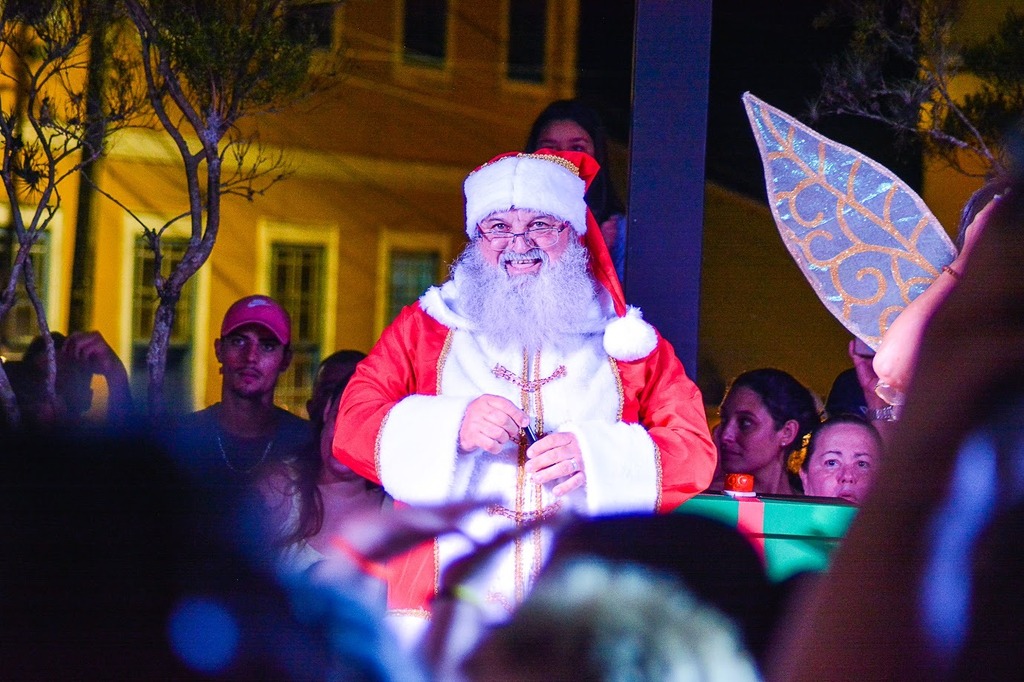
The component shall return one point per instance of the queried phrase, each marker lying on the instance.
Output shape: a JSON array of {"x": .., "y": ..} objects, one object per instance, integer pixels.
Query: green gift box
[{"x": 792, "y": 534}]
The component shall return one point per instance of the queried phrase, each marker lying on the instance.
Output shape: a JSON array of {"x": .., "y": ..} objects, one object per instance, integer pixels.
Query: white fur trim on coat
[
  {"x": 525, "y": 182},
  {"x": 619, "y": 461},
  {"x": 413, "y": 468},
  {"x": 434, "y": 304},
  {"x": 629, "y": 338}
]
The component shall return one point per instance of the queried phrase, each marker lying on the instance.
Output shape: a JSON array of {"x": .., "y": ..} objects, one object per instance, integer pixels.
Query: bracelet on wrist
[{"x": 889, "y": 413}]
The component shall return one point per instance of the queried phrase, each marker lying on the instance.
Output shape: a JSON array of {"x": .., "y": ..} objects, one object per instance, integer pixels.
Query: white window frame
[
  {"x": 557, "y": 83},
  {"x": 327, "y": 235},
  {"x": 412, "y": 74},
  {"x": 393, "y": 240},
  {"x": 56, "y": 303}
]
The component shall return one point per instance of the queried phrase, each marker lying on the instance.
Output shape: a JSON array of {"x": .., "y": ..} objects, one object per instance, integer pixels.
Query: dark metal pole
[{"x": 666, "y": 188}]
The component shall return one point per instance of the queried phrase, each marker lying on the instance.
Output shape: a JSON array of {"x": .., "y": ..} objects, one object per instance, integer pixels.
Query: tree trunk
[
  {"x": 22, "y": 269},
  {"x": 8, "y": 401},
  {"x": 156, "y": 356},
  {"x": 44, "y": 330},
  {"x": 96, "y": 130}
]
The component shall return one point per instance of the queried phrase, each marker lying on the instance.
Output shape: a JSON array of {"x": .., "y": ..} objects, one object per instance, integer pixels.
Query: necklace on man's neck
[{"x": 240, "y": 470}]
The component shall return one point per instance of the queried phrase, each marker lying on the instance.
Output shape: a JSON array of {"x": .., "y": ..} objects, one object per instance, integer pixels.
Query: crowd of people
[{"x": 486, "y": 494}]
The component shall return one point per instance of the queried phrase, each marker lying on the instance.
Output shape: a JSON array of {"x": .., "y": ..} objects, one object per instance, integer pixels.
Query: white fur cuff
[
  {"x": 619, "y": 460},
  {"x": 418, "y": 446}
]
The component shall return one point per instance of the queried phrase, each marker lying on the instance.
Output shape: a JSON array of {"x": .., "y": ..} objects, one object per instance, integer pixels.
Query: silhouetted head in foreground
[{"x": 119, "y": 566}]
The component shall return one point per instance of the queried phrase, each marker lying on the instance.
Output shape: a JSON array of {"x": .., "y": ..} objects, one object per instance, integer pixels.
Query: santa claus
[{"x": 523, "y": 380}]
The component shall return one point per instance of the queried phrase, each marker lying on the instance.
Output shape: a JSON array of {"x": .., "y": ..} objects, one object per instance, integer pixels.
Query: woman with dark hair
[
  {"x": 312, "y": 501},
  {"x": 842, "y": 456},
  {"x": 570, "y": 125},
  {"x": 765, "y": 415}
]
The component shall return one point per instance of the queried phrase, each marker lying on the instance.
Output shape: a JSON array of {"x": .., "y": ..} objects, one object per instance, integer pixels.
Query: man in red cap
[
  {"x": 245, "y": 440},
  {"x": 524, "y": 380}
]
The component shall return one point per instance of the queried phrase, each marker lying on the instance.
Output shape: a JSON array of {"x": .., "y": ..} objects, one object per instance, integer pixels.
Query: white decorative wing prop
[{"x": 865, "y": 241}]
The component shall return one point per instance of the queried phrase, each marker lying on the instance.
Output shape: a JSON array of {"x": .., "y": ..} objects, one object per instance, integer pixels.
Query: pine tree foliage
[{"x": 905, "y": 67}]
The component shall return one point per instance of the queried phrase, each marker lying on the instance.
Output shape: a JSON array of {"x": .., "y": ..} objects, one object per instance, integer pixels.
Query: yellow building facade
[{"x": 371, "y": 212}]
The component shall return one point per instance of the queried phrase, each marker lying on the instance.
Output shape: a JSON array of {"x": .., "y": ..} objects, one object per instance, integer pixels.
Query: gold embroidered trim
[
  {"x": 531, "y": 401},
  {"x": 657, "y": 465},
  {"x": 522, "y": 517},
  {"x": 418, "y": 613},
  {"x": 499, "y": 598},
  {"x": 528, "y": 385},
  {"x": 376, "y": 444},
  {"x": 437, "y": 566},
  {"x": 618, "y": 385},
  {"x": 442, "y": 358},
  {"x": 539, "y": 397},
  {"x": 517, "y": 544},
  {"x": 564, "y": 163}
]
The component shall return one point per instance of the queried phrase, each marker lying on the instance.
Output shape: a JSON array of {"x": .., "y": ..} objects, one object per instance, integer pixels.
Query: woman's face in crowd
[
  {"x": 566, "y": 136},
  {"x": 746, "y": 437},
  {"x": 842, "y": 462}
]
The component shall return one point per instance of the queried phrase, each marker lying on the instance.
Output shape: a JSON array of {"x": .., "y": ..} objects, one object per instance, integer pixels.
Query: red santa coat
[{"x": 640, "y": 424}]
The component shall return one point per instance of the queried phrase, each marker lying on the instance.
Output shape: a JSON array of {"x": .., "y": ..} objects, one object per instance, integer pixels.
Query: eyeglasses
[{"x": 542, "y": 236}]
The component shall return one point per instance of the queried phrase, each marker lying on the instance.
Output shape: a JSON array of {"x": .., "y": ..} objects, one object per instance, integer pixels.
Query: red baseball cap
[{"x": 261, "y": 310}]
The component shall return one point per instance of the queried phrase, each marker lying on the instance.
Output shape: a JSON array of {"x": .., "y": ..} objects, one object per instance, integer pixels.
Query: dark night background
[{"x": 770, "y": 48}]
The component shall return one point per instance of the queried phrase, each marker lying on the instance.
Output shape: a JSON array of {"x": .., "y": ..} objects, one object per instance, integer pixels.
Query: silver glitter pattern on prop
[{"x": 866, "y": 242}]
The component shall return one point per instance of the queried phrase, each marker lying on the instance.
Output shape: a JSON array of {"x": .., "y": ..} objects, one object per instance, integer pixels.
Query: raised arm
[
  {"x": 90, "y": 353},
  {"x": 897, "y": 355},
  {"x": 863, "y": 620}
]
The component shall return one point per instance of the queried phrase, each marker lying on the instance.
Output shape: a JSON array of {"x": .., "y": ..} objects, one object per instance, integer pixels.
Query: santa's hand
[
  {"x": 557, "y": 456},
  {"x": 489, "y": 423}
]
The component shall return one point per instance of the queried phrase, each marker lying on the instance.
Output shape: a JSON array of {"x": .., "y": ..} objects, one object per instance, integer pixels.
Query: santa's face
[
  {"x": 522, "y": 255},
  {"x": 547, "y": 309}
]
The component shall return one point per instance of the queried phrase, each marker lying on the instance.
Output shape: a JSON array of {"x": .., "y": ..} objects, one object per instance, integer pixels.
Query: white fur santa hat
[{"x": 556, "y": 183}]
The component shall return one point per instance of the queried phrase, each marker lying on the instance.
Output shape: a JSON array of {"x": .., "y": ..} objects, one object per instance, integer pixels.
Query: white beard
[{"x": 532, "y": 311}]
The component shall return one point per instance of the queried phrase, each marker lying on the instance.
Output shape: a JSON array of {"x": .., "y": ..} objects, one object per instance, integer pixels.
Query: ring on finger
[{"x": 574, "y": 464}]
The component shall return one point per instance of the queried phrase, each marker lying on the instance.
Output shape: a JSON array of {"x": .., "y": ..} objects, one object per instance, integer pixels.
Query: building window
[
  {"x": 297, "y": 281},
  {"x": 425, "y": 32},
  {"x": 312, "y": 21},
  {"x": 527, "y": 40},
  {"x": 19, "y": 327},
  {"x": 408, "y": 263},
  {"x": 178, "y": 372},
  {"x": 411, "y": 273}
]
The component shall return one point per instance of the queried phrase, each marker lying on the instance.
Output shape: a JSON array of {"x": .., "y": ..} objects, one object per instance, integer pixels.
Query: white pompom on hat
[{"x": 556, "y": 183}]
